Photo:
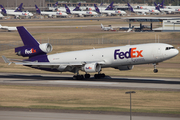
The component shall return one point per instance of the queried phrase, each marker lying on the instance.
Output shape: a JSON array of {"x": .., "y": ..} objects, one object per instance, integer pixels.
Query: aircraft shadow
[{"x": 106, "y": 79}]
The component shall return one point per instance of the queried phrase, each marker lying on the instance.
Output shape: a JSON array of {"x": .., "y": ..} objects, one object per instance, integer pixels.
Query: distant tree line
[{"x": 149, "y": 2}]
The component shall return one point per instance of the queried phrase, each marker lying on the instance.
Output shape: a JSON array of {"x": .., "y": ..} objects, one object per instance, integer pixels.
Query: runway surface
[
  {"x": 111, "y": 82},
  {"x": 19, "y": 115}
]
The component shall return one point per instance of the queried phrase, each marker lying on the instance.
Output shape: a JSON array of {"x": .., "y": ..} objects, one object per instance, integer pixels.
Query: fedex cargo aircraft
[{"x": 89, "y": 61}]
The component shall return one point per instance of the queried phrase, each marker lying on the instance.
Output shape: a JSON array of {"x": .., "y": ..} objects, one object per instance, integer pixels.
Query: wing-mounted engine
[
  {"x": 27, "y": 51},
  {"x": 128, "y": 67},
  {"x": 91, "y": 68}
]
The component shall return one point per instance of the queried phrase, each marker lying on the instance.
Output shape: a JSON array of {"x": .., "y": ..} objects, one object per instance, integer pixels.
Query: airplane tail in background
[
  {"x": 37, "y": 10},
  {"x": 55, "y": 5},
  {"x": 156, "y": 7},
  {"x": 162, "y": 4},
  {"x": 96, "y": 8},
  {"x": 3, "y": 9},
  {"x": 77, "y": 7},
  {"x": 19, "y": 9},
  {"x": 110, "y": 7},
  {"x": 130, "y": 8},
  {"x": 67, "y": 9},
  {"x": 101, "y": 4},
  {"x": 102, "y": 27}
]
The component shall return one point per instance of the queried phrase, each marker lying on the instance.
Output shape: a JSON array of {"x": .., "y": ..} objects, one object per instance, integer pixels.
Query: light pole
[{"x": 129, "y": 92}]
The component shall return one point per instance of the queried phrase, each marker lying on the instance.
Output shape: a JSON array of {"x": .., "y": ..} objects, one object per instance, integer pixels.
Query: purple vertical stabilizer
[
  {"x": 37, "y": 9},
  {"x": 96, "y": 8},
  {"x": 26, "y": 37},
  {"x": 55, "y": 5},
  {"x": 110, "y": 7},
  {"x": 67, "y": 9},
  {"x": 162, "y": 4},
  {"x": 130, "y": 8},
  {"x": 19, "y": 9},
  {"x": 3, "y": 9},
  {"x": 77, "y": 7},
  {"x": 156, "y": 7}
]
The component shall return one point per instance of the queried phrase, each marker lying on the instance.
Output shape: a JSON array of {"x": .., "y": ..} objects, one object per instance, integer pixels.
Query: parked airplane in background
[
  {"x": 54, "y": 7},
  {"x": 109, "y": 12},
  {"x": 80, "y": 13},
  {"x": 106, "y": 28},
  {"x": 16, "y": 13},
  {"x": 8, "y": 28},
  {"x": 166, "y": 10},
  {"x": 1, "y": 16},
  {"x": 89, "y": 61},
  {"x": 143, "y": 11},
  {"x": 50, "y": 14},
  {"x": 63, "y": 9}
]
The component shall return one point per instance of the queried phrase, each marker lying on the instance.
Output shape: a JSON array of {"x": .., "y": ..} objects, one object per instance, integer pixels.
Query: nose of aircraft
[{"x": 176, "y": 52}]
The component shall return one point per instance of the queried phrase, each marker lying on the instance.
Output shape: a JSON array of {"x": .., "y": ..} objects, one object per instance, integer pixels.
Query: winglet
[{"x": 6, "y": 60}]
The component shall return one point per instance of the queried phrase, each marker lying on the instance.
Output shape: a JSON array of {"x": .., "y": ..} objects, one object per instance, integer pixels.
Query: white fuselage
[
  {"x": 146, "y": 11},
  {"x": 84, "y": 13},
  {"x": 119, "y": 56},
  {"x": 11, "y": 12},
  {"x": 54, "y": 13},
  {"x": 113, "y": 12}
]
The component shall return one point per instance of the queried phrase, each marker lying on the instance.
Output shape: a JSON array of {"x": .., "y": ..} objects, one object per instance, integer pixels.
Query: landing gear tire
[
  {"x": 155, "y": 70},
  {"x": 78, "y": 77},
  {"x": 87, "y": 76},
  {"x": 98, "y": 76}
]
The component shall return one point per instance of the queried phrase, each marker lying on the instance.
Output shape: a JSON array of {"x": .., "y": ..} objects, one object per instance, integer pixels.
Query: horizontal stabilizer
[{"x": 5, "y": 59}]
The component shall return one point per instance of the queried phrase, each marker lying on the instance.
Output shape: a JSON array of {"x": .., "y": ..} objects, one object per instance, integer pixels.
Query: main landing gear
[
  {"x": 87, "y": 76},
  {"x": 155, "y": 70}
]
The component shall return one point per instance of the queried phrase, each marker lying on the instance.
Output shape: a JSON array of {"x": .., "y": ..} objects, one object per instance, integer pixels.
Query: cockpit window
[{"x": 168, "y": 48}]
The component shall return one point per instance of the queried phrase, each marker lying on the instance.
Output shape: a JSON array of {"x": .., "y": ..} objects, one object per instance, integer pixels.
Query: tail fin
[
  {"x": 77, "y": 7},
  {"x": 26, "y": 37},
  {"x": 162, "y": 4},
  {"x": 3, "y": 9},
  {"x": 96, "y": 8},
  {"x": 110, "y": 7},
  {"x": 55, "y": 5},
  {"x": 0, "y": 25},
  {"x": 101, "y": 4},
  {"x": 67, "y": 9},
  {"x": 19, "y": 9},
  {"x": 130, "y": 8},
  {"x": 102, "y": 26},
  {"x": 157, "y": 7},
  {"x": 37, "y": 10}
]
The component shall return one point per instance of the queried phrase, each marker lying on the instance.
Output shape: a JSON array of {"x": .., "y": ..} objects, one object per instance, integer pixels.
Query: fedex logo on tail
[
  {"x": 132, "y": 53},
  {"x": 30, "y": 51}
]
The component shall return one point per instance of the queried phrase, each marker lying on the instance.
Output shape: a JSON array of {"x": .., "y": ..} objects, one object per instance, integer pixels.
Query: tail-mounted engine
[{"x": 28, "y": 51}]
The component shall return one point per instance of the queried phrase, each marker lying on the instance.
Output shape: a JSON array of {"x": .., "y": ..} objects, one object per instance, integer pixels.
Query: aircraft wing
[{"x": 29, "y": 63}]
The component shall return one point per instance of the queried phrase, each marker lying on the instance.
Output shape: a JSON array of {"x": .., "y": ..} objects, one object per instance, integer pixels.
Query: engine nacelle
[
  {"x": 91, "y": 68},
  {"x": 128, "y": 67},
  {"x": 27, "y": 51}
]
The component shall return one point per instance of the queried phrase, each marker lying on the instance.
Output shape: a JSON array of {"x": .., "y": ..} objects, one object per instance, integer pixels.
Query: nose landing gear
[{"x": 155, "y": 70}]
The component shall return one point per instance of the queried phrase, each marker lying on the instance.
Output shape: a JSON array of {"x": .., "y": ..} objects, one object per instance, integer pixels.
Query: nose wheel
[{"x": 155, "y": 70}]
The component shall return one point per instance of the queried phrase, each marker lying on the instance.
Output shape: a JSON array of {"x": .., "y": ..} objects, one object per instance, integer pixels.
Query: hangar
[{"x": 174, "y": 21}]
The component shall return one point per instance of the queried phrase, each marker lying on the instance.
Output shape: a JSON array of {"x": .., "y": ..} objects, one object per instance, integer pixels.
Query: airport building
[{"x": 26, "y": 3}]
